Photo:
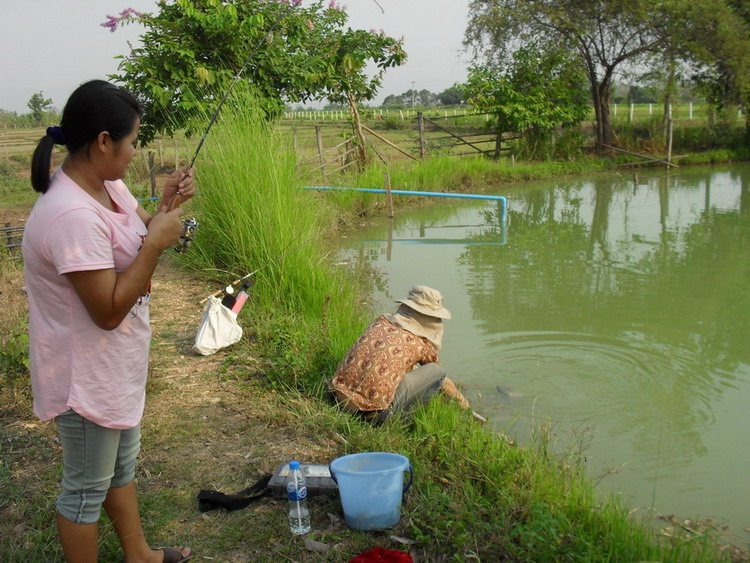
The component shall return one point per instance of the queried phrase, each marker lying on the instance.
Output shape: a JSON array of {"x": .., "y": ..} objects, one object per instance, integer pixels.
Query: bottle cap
[{"x": 293, "y": 465}]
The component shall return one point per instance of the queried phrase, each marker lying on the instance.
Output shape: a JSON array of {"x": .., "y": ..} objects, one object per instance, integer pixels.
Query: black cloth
[{"x": 209, "y": 500}]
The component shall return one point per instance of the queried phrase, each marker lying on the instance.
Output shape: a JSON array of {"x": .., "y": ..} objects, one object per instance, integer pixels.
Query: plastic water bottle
[{"x": 296, "y": 492}]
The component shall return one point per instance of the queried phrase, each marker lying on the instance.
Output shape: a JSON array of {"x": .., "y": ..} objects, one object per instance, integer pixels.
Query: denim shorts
[
  {"x": 416, "y": 388},
  {"x": 95, "y": 459}
]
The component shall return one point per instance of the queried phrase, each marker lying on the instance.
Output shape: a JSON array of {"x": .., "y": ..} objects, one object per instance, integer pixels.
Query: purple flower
[
  {"x": 127, "y": 11},
  {"x": 113, "y": 21}
]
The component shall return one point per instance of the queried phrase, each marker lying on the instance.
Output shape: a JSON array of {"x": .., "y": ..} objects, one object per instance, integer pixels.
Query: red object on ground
[{"x": 380, "y": 554}]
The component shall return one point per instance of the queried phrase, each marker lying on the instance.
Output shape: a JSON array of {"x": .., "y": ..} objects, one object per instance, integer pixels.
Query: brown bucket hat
[{"x": 427, "y": 301}]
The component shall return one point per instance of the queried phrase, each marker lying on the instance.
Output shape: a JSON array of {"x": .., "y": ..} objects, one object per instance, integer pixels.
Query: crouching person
[{"x": 392, "y": 368}]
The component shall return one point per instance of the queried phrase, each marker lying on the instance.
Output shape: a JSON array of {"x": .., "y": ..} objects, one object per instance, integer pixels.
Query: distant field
[{"x": 398, "y": 129}]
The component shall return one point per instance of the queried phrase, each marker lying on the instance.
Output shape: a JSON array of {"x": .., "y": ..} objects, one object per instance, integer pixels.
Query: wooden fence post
[
  {"x": 422, "y": 140},
  {"x": 319, "y": 142},
  {"x": 498, "y": 144}
]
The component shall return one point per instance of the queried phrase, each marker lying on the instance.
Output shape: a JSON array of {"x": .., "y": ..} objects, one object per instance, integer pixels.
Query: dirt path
[
  {"x": 221, "y": 393},
  {"x": 212, "y": 423}
]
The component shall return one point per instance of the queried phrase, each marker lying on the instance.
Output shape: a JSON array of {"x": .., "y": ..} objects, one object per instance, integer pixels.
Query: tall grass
[
  {"x": 14, "y": 339},
  {"x": 450, "y": 174},
  {"x": 254, "y": 218}
]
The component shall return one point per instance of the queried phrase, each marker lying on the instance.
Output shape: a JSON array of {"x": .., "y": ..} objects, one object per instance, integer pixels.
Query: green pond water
[{"x": 614, "y": 310}]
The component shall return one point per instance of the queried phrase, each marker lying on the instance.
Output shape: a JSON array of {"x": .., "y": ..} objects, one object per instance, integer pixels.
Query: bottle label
[{"x": 296, "y": 493}]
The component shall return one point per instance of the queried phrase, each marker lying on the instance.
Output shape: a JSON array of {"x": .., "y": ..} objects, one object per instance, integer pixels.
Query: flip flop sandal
[{"x": 172, "y": 555}]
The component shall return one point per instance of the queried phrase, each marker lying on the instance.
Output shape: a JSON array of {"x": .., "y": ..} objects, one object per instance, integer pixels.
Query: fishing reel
[{"x": 189, "y": 226}]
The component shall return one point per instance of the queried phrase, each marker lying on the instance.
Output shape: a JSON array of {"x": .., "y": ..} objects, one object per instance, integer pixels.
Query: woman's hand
[
  {"x": 181, "y": 182},
  {"x": 165, "y": 228}
]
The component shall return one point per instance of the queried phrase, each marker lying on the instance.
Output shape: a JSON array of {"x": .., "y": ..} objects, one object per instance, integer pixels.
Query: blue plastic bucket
[{"x": 371, "y": 486}]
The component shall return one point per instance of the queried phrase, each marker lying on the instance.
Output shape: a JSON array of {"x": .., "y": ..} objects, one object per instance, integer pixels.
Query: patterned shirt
[{"x": 377, "y": 362}]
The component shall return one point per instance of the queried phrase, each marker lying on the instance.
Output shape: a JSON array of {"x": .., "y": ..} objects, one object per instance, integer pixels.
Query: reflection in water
[{"x": 615, "y": 305}]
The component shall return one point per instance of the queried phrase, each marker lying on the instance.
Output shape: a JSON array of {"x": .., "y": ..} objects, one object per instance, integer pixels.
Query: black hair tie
[{"x": 57, "y": 134}]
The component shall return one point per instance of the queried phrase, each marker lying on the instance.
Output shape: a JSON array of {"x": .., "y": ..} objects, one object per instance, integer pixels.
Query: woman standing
[{"x": 89, "y": 253}]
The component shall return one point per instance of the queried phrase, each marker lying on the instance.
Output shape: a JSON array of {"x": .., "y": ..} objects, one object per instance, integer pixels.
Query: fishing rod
[
  {"x": 229, "y": 289},
  {"x": 189, "y": 226}
]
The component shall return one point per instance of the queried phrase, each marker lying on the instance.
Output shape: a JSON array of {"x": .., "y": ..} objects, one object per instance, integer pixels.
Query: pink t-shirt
[{"x": 100, "y": 374}]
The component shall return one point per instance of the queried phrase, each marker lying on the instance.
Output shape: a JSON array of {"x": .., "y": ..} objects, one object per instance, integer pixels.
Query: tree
[
  {"x": 426, "y": 98},
  {"x": 345, "y": 55},
  {"x": 452, "y": 96},
  {"x": 720, "y": 48},
  {"x": 535, "y": 90},
  {"x": 38, "y": 105},
  {"x": 605, "y": 35},
  {"x": 193, "y": 49},
  {"x": 393, "y": 100}
]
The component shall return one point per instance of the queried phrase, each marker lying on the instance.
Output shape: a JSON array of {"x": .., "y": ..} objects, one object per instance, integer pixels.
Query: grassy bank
[{"x": 476, "y": 496}]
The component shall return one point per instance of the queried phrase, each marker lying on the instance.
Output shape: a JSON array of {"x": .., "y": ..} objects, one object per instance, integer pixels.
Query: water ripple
[{"x": 581, "y": 378}]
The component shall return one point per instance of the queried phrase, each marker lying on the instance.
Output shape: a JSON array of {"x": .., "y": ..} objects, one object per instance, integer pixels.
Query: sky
[{"x": 52, "y": 46}]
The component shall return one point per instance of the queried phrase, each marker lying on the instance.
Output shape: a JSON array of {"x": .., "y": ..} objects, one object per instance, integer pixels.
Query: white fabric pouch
[{"x": 218, "y": 328}]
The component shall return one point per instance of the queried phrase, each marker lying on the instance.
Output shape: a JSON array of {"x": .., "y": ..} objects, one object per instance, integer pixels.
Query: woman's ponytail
[{"x": 40, "y": 163}]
